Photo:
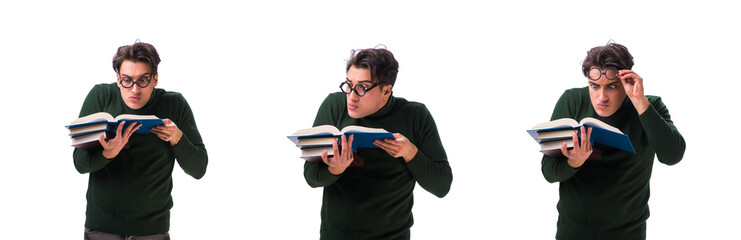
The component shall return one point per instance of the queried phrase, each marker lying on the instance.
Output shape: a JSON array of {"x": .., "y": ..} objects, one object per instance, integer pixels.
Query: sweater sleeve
[
  {"x": 317, "y": 173},
  {"x": 190, "y": 152},
  {"x": 92, "y": 160},
  {"x": 662, "y": 135},
  {"x": 558, "y": 169},
  {"x": 430, "y": 166}
]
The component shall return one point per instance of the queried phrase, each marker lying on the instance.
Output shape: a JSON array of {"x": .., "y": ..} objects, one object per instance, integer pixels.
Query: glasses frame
[
  {"x": 354, "y": 88},
  {"x": 603, "y": 73},
  {"x": 148, "y": 81}
]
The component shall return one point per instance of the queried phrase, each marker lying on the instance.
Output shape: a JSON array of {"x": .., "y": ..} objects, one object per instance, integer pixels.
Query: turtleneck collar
[
  {"x": 386, "y": 109},
  {"x": 156, "y": 93}
]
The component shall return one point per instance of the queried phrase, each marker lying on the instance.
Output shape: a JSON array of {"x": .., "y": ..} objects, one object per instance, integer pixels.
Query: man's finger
[
  {"x": 120, "y": 128},
  {"x": 325, "y": 158},
  {"x": 349, "y": 141},
  {"x": 335, "y": 148},
  {"x": 589, "y": 137},
  {"x": 565, "y": 149},
  {"x": 102, "y": 140},
  {"x": 575, "y": 139}
]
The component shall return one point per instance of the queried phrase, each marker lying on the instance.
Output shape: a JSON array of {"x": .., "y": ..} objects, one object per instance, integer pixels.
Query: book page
[
  {"x": 133, "y": 117},
  {"x": 99, "y": 116},
  {"x": 323, "y": 129},
  {"x": 563, "y": 122},
  {"x": 598, "y": 123},
  {"x": 354, "y": 128}
]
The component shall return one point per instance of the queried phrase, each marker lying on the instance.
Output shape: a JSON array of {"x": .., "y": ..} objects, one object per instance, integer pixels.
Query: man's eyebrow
[
  {"x": 361, "y": 81},
  {"x": 609, "y": 83},
  {"x": 143, "y": 74}
]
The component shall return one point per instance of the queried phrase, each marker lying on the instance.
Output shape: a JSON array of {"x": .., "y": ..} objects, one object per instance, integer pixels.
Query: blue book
[
  {"x": 551, "y": 135},
  {"x": 103, "y": 121},
  {"x": 322, "y": 136}
]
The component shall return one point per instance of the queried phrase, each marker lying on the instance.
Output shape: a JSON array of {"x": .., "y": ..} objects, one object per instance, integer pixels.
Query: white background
[{"x": 254, "y": 73}]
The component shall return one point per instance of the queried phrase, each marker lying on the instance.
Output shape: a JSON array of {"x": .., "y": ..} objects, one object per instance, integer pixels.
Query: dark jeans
[{"x": 95, "y": 235}]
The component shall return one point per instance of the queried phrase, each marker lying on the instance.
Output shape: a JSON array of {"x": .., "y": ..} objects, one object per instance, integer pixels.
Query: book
[
  {"x": 88, "y": 141},
  {"x": 551, "y": 135},
  {"x": 95, "y": 122},
  {"x": 315, "y": 142},
  {"x": 553, "y": 148},
  {"x": 363, "y": 137},
  {"x": 315, "y": 154},
  {"x": 89, "y": 128}
]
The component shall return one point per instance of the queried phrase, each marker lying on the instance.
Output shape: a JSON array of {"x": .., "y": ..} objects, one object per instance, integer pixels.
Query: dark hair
[
  {"x": 381, "y": 63},
  {"x": 137, "y": 52},
  {"x": 610, "y": 55}
]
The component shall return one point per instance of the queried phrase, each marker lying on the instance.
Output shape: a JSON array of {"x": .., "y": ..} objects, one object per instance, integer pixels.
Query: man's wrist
[
  {"x": 641, "y": 104},
  {"x": 336, "y": 171},
  {"x": 174, "y": 141},
  {"x": 106, "y": 153},
  {"x": 409, "y": 156},
  {"x": 572, "y": 163}
]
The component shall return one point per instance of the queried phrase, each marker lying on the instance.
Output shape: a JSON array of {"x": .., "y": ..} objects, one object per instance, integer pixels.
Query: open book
[
  {"x": 311, "y": 140},
  {"x": 86, "y": 130},
  {"x": 551, "y": 135},
  {"x": 103, "y": 121}
]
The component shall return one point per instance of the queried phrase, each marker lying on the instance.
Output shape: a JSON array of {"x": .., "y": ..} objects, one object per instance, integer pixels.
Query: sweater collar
[
  {"x": 156, "y": 93},
  {"x": 614, "y": 119},
  {"x": 386, "y": 109}
]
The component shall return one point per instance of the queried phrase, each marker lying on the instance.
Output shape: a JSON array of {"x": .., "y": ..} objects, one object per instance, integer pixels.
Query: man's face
[
  {"x": 136, "y": 96},
  {"x": 606, "y": 92},
  {"x": 372, "y": 101}
]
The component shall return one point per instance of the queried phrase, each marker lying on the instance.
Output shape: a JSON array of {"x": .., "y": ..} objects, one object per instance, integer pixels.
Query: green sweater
[
  {"x": 130, "y": 194},
  {"x": 375, "y": 201},
  {"x": 608, "y": 198}
]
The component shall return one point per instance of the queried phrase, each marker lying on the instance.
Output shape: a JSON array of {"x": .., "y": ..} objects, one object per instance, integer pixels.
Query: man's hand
[
  {"x": 633, "y": 85},
  {"x": 341, "y": 160},
  {"x": 399, "y": 147},
  {"x": 112, "y": 147},
  {"x": 168, "y": 132},
  {"x": 582, "y": 149}
]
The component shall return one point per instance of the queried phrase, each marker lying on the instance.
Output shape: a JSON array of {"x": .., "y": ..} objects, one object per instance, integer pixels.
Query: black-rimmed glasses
[
  {"x": 142, "y": 82},
  {"x": 359, "y": 89},
  {"x": 595, "y": 73}
]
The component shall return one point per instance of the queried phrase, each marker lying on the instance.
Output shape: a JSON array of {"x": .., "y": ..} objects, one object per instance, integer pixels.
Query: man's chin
[
  {"x": 134, "y": 105},
  {"x": 355, "y": 114}
]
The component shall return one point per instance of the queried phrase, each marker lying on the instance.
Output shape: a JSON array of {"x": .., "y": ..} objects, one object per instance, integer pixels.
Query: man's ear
[
  {"x": 386, "y": 91},
  {"x": 154, "y": 79}
]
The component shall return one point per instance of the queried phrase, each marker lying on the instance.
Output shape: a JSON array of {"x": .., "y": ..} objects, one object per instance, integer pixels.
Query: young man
[
  {"x": 131, "y": 175},
  {"x": 368, "y": 194},
  {"x": 604, "y": 191}
]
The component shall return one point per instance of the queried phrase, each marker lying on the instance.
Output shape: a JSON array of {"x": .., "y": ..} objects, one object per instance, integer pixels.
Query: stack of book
[
  {"x": 551, "y": 135},
  {"x": 314, "y": 141},
  {"x": 86, "y": 131}
]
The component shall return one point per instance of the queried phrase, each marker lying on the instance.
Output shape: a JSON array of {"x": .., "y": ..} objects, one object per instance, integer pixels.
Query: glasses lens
[
  {"x": 360, "y": 90},
  {"x": 595, "y": 73},
  {"x": 345, "y": 87},
  {"x": 142, "y": 82},
  {"x": 611, "y": 73},
  {"x": 127, "y": 83}
]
